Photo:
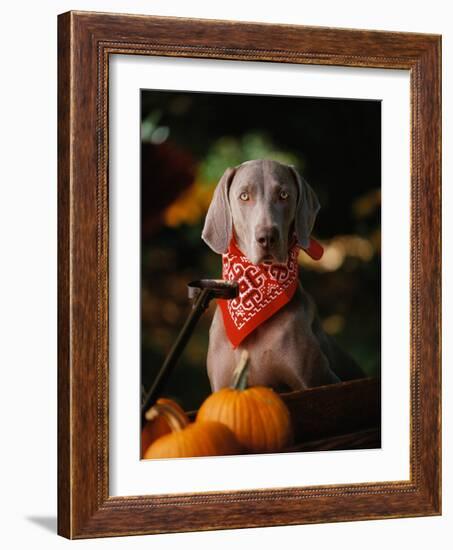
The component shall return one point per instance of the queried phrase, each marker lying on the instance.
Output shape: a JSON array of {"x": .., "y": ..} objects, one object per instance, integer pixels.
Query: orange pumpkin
[
  {"x": 162, "y": 419},
  {"x": 256, "y": 415},
  {"x": 196, "y": 439}
]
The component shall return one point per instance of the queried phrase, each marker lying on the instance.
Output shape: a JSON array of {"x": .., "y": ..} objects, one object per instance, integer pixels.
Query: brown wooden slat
[
  {"x": 64, "y": 371},
  {"x": 364, "y": 439},
  {"x": 335, "y": 409}
]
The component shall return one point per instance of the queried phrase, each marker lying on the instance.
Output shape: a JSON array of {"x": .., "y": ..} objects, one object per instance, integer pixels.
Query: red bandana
[{"x": 263, "y": 289}]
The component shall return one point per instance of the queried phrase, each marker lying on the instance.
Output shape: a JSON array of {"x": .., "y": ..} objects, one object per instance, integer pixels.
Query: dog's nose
[{"x": 266, "y": 237}]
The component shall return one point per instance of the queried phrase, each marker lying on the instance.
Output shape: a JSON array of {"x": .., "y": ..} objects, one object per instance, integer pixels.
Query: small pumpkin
[
  {"x": 161, "y": 419},
  {"x": 196, "y": 439},
  {"x": 256, "y": 415}
]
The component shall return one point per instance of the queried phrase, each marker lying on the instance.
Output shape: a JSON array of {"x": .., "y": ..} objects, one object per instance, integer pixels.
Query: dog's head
[{"x": 263, "y": 202}]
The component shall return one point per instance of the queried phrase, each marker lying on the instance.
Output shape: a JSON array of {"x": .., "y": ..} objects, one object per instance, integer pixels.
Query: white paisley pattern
[{"x": 259, "y": 285}]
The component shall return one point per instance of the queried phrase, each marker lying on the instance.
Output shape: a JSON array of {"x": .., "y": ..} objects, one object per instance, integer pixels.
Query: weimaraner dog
[{"x": 262, "y": 204}]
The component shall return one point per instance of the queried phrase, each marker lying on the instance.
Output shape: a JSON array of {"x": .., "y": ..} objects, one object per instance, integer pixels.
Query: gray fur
[
  {"x": 307, "y": 209},
  {"x": 218, "y": 225},
  {"x": 289, "y": 350},
  {"x": 262, "y": 179}
]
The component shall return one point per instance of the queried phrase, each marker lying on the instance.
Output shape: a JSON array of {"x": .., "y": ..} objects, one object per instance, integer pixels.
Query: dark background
[{"x": 188, "y": 140}]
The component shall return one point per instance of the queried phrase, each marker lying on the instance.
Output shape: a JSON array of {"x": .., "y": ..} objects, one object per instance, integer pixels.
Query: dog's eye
[
  {"x": 284, "y": 195},
  {"x": 244, "y": 196}
]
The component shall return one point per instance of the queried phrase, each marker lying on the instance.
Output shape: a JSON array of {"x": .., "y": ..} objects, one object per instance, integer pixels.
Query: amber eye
[
  {"x": 284, "y": 195},
  {"x": 244, "y": 196}
]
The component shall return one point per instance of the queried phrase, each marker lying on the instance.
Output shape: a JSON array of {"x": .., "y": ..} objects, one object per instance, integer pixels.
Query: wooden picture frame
[{"x": 85, "y": 41}]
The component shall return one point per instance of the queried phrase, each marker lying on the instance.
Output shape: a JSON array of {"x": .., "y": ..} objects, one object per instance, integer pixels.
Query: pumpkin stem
[
  {"x": 241, "y": 372},
  {"x": 172, "y": 415}
]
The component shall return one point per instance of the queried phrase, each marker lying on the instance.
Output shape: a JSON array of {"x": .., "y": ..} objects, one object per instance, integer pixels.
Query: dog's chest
[{"x": 276, "y": 350}]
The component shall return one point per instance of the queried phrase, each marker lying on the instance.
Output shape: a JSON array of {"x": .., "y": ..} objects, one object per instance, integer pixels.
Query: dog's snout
[{"x": 266, "y": 237}]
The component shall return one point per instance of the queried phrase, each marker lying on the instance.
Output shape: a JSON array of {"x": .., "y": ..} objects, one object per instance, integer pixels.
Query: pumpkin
[
  {"x": 256, "y": 415},
  {"x": 196, "y": 439},
  {"x": 161, "y": 419}
]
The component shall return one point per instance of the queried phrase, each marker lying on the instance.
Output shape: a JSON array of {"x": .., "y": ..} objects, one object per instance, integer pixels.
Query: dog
[{"x": 264, "y": 207}]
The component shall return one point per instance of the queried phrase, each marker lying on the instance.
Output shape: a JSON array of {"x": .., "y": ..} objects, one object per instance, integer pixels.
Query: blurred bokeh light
[{"x": 188, "y": 140}]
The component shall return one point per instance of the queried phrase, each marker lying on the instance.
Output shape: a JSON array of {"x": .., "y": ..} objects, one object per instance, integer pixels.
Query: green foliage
[
  {"x": 334, "y": 143},
  {"x": 231, "y": 151}
]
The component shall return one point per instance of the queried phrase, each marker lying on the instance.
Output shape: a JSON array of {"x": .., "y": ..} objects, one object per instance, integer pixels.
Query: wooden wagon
[{"x": 335, "y": 417}]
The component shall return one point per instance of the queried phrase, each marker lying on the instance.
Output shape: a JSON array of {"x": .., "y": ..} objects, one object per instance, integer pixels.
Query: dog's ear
[
  {"x": 306, "y": 210},
  {"x": 218, "y": 225}
]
